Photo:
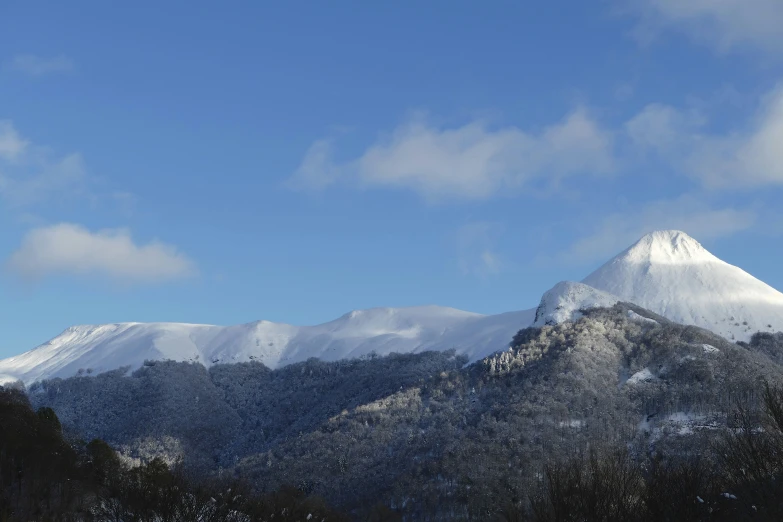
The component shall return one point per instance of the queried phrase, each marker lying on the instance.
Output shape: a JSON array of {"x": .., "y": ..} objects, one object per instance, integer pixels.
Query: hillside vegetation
[
  {"x": 44, "y": 476},
  {"x": 425, "y": 435}
]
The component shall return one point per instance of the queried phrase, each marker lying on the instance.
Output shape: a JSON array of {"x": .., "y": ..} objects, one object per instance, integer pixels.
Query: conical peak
[{"x": 667, "y": 247}]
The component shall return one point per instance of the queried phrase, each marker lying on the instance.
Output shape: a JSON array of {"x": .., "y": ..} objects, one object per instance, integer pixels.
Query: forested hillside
[
  {"x": 46, "y": 476},
  {"x": 424, "y": 434}
]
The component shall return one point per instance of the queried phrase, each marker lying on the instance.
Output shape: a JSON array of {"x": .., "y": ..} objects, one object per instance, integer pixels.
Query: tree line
[{"x": 738, "y": 478}]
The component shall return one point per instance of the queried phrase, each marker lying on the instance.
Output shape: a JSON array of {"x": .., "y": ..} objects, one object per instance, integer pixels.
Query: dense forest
[
  {"x": 46, "y": 477},
  {"x": 590, "y": 420}
]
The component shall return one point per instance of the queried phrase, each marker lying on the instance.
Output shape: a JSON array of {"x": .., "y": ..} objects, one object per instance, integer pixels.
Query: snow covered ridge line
[
  {"x": 667, "y": 272},
  {"x": 355, "y": 334}
]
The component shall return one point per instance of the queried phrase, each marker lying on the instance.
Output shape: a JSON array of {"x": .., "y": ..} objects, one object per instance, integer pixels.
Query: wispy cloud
[
  {"x": 724, "y": 24},
  {"x": 687, "y": 213},
  {"x": 471, "y": 162},
  {"x": 31, "y": 174},
  {"x": 749, "y": 157},
  {"x": 40, "y": 66},
  {"x": 11, "y": 144},
  {"x": 69, "y": 249},
  {"x": 43, "y": 179},
  {"x": 476, "y": 249}
]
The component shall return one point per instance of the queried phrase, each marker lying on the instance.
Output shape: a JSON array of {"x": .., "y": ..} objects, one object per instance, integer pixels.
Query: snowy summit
[
  {"x": 671, "y": 274},
  {"x": 666, "y": 247}
]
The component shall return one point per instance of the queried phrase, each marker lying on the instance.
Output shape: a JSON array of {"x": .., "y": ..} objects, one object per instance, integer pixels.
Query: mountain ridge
[
  {"x": 382, "y": 330},
  {"x": 666, "y": 272}
]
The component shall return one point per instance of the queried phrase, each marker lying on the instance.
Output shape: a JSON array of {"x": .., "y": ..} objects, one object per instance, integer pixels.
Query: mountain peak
[
  {"x": 670, "y": 273},
  {"x": 667, "y": 247}
]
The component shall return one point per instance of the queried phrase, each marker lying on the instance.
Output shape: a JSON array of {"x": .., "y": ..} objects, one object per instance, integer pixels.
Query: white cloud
[
  {"x": 43, "y": 179},
  {"x": 317, "y": 170},
  {"x": 662, "y": 127},
  {"x": 39, "y": 66},
  {"x": 467, "y": 162},
  {"x": 687, "y": 213},
  {"x": 476, "y": 249},
  {"x": 11, "y": 144},
  {"x": 722, "y": 23},
  {"x": 759, "y": 155},
  {"x": 72, "y": 249},
  {"x": 32, "y": 174},
  {"x": 749, "y": 158}
]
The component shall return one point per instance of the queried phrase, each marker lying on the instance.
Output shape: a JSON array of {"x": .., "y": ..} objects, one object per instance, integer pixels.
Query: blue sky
[{"x": 293, "y": 161}]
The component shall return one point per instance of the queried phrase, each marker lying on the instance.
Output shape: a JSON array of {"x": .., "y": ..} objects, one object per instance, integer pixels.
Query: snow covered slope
[
  {"x": 95, "y": 349},
  {"x": 107, "y": 347},
  {"x": 670, "y": 273},
  {"x": 564, "y": 301}
]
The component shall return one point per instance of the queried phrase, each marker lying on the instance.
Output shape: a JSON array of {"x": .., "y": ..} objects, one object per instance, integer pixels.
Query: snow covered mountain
[
  {"x": 671, "y": 274},
  {"x": 96, "y": 349},
  {"x": 666, "y": 272}
]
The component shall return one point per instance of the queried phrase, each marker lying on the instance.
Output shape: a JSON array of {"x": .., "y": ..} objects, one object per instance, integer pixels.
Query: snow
[
  {"x": 667, "y": 272},
  {"x": 633, "y": 316},
  {"x": 573, "y": 423},
  {"x": 680, "y": 422},
  {"x": 708, "y": 348},
  {"x": 671, "y": 274},
  {"x": 564, "y": 301},
  {"x": 641, "y": 376},
  {"x": 355, "y": 334},
  {"x": 684, "y": 423}
]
